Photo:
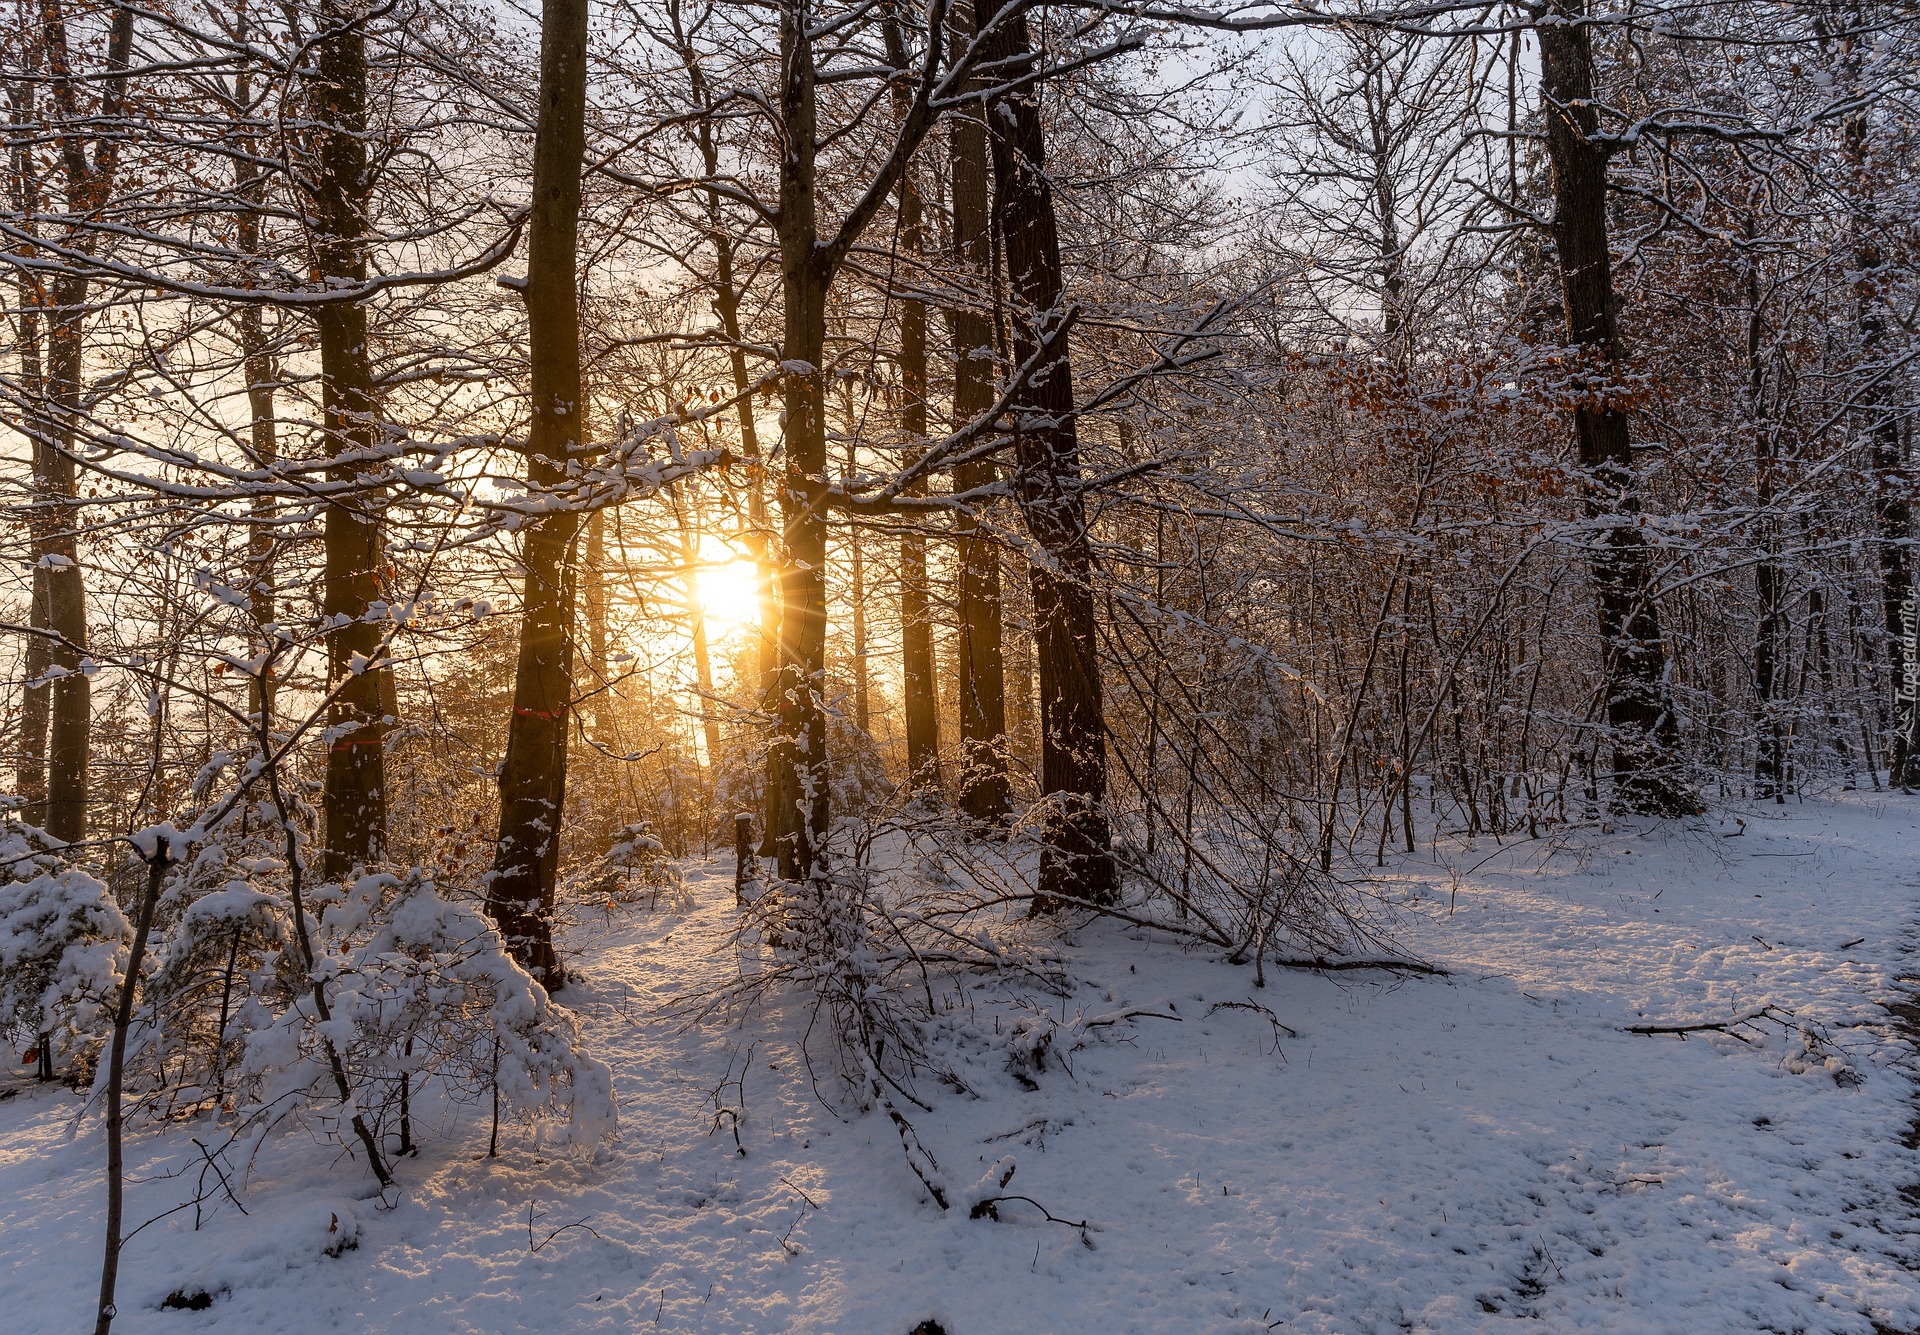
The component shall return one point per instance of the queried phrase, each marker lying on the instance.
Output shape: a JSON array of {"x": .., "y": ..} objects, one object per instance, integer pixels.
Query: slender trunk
[
  {"x": 1767, "y": 765},
  {"x": 355, "y": 796},
  {"x": 760, "y": 538},
  {"x": 862, "y": 685},
  {"x": 985, "y": 794},
  {"x": 1077, "y": 863},
  {"x": 533, "y": 775},
  {"x": 36, "y": 706},
  {"x": 89, "y": 182},
  {"x": 157, "y": 863},
  {"x": 597, "y": 642},
  {"x": 1640, "y": 719},
  {"x": 1150, "y": 786},
  {"x": 919, "y": 702},
  {"x": 697, "y": 630},
  {"x": 257, "y": 367}
]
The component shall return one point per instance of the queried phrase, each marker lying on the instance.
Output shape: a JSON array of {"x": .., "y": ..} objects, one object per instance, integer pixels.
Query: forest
[{"x": 551, "y": 552}]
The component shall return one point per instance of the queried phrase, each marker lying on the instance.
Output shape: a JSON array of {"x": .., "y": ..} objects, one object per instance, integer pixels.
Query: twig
[
  {"x": 535, "y": 1247},
  {"x": 802, "y": 1195},
  {"x": 1258, "y": 1009}
]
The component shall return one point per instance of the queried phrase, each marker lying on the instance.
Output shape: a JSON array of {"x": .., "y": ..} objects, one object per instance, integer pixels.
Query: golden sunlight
[{"x": 726, "y": 584}]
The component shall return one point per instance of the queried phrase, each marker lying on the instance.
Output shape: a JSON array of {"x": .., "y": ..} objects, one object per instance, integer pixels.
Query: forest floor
[{"x": 1409, "y": 1153}]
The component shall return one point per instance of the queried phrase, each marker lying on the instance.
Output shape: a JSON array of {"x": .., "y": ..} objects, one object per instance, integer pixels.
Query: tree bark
[
  {"x": 1640, "y": 718},
  {"x": 36, "y": 705},
  {"x": 354, "y": 799},
  {"x": 1769, "y": 757},
  {"x": 257, "y": 366},
  {"x": 89, "y": 181},
  {"x": 800, "y": 747},
  {"x": 533, "y": 775},
  {"x": 985, "y": 793},
  {"x": 919, "y": 702},
  {"x": 1077, "y": 862}
]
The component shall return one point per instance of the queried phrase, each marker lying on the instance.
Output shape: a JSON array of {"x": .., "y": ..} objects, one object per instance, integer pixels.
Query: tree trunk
[
  {"x": 801, "y": 742},
  {"x": 36, "y": 705},
  {"x": 919, "y": 702},
  {"x": 1893, "y": 516},
  {"x": 984, "y": 792},
  {"x": 1640, "y": 719},
  {"x": 89, "y": 181},
  {"x": 697, "y": 630},
  {"x": 355, "y": 796},
  {"x": 1077, "y": 863},
  {"x": 597, "y": 633},
  {"x": 257, "y": 366},
  {"x": 1769, "y": 756},
  {"x": 726, "y": 304},
  {"x": 533, "y": 776}
]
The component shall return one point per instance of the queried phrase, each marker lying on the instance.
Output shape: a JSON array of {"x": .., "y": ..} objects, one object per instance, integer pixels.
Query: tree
[
  {"x": 355, "y": 796},
  {"x": 1642, "y": 726},
  {"x": 984, "y": 792},
  {"x": 89, "y": 149},
  {"x": 533, "y": 775},
  {"x": 1077, "y": 861}
]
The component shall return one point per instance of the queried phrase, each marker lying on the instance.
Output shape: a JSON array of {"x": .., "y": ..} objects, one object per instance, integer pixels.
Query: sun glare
[{"x": 727, "y": 594}]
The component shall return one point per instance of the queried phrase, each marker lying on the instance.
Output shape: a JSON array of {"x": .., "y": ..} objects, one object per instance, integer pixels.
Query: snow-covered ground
[{"x": 1454, "y": 1153}]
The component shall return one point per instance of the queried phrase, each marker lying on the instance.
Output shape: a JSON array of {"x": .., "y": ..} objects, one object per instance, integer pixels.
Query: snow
[{"x": 1433, "y": 1154}]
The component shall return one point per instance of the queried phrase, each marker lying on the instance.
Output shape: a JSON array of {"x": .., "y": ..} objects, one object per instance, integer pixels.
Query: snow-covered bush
[
  {"x": 635, "y": 869},
  {"x": 410, "y": 995},
  {"x": 220, "y": 968},
  {"x": 63, "y": 947},
  {"x": 422, "y": 988}
]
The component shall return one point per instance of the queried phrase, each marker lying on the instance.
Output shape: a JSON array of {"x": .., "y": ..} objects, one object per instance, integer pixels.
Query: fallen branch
[
  {"x": 988, "y": 1208},
  {"x": 918, "y": 1159},
  {"x": 1725, "y": 1026},
  {"x": 1120, "y": 1017},
  {"x": 1339, "y": 966}
]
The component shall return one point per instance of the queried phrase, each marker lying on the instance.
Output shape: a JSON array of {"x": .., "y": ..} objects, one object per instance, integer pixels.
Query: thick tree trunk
[
  {"x": 533, "y": 776},
  {"x": 984, "y": 792},
  {"x": 1077, "y": 863},
  {"x": 801, "y": 744},
  {"x": 1640, "y": 718},
  {"x": 355, "y": 796}
]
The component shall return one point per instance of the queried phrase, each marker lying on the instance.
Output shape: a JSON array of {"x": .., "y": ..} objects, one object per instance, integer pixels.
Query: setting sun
[{"x": 726, "y": 589}]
